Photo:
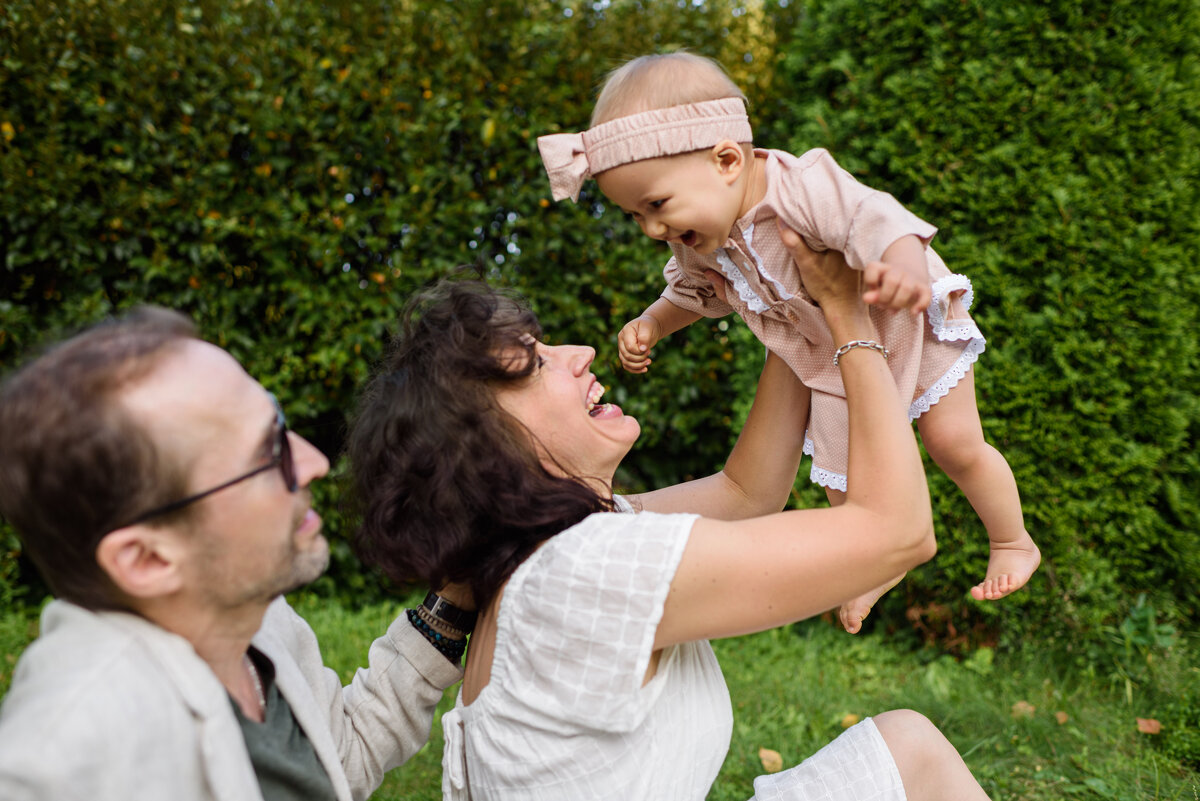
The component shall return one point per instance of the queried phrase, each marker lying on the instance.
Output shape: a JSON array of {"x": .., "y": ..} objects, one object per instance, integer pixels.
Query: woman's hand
[{"x": 835, "y": 287}]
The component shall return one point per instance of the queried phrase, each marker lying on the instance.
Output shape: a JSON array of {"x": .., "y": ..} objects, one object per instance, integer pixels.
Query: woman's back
[{"x": 566, "y": 714}]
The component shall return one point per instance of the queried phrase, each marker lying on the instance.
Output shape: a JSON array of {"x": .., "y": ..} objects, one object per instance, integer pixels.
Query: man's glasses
[{"x": 281, "y": 457}]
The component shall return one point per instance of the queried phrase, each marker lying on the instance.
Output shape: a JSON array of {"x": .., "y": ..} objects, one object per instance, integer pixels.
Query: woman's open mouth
[{"x": 594, "y": 407}]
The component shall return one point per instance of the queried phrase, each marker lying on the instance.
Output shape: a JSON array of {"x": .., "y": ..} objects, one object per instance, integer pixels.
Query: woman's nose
[{"x": 581, "y": 357}]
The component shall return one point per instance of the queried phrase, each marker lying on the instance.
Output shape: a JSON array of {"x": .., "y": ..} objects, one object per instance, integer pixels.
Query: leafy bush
[
  {"x": 1052, "y": 145},
  {"x": 289, "y": 173}
]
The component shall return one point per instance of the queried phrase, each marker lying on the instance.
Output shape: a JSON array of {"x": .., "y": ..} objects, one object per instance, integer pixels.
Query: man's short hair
[{"x": 74, "y": 464}]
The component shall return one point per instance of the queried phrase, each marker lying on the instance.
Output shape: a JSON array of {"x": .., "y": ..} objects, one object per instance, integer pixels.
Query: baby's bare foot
[
  {"x": 852, "y": 613},
  {"x": 1009, "y": 568}
]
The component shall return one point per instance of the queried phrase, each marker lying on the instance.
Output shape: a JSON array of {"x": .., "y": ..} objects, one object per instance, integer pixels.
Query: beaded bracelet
[
  {"x": 859, "y": 343},
  {"x": 451, "y": 649}
]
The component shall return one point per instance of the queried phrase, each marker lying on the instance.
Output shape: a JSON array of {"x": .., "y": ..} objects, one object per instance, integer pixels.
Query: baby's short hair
[{"x": 660, "y": 81}]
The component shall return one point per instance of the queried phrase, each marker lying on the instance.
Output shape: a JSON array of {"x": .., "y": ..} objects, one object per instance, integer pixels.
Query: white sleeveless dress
[{"x": 565, "y": 716}]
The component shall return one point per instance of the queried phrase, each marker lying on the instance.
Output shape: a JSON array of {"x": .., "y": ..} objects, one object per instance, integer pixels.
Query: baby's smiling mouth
[{"x": 688, "y": 239}]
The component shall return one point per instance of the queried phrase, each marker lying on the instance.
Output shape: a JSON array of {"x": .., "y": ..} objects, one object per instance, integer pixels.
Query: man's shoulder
[
  {"x": 82, "y": 659},
  {"x": 90, "y": 699}
]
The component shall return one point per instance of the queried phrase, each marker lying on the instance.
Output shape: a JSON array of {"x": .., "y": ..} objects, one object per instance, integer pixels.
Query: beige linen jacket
[{"x": 106, "y": 706}]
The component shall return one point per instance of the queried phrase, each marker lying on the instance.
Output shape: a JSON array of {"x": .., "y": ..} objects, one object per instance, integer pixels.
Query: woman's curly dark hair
[{"x": 449, "y": 485}]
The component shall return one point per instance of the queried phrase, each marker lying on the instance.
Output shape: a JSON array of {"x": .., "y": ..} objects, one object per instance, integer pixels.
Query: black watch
[{"x": 448, "y": 613}]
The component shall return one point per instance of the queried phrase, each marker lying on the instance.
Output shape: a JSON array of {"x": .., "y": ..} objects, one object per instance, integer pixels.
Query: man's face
[{"x": 254, "y": 540}]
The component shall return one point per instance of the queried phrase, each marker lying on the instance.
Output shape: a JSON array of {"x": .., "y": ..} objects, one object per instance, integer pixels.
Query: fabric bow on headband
[{"x": 571, "y": 158}]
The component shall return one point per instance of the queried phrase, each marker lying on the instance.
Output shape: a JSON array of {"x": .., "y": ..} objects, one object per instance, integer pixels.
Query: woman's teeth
[{"x": 593, "y": 398}]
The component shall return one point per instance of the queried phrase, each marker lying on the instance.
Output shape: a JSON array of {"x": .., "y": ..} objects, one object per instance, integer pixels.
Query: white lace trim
[
  {"x": 820, "y": 476},
  {"x": 949, "y": 381},
  {"x": 762, "y": 268},
  {"x": 957, "y": 330},
  {"x": 740, "y": 285}
]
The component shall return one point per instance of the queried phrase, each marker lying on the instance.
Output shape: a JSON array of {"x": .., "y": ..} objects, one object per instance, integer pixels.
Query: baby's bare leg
[
  {"x": 953, "y": 436},
  {"x": 852, "y": 613}
]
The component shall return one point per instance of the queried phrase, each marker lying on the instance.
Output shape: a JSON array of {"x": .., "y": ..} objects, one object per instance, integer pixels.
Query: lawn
[{"x": 1034, "y": 724}]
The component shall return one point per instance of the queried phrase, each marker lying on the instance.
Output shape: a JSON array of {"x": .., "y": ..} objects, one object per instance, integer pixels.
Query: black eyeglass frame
[{"x": 281, "y": 457}]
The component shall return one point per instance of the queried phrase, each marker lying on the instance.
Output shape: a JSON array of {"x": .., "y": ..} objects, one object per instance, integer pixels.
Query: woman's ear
[
  {"x": 729, "y": 159},
  {"x": 142, "y": 562}
]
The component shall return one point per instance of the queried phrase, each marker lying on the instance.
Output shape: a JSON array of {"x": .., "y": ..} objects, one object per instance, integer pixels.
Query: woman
[{"x": 484, "y": 456}]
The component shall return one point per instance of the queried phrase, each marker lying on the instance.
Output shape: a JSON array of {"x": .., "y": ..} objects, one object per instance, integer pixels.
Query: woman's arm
[
  {"x": 738, "y": 577},
  {"x": 761, "y": 468}
]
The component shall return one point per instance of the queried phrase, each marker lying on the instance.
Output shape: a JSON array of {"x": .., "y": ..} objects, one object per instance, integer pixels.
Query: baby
[{"x": 670, "y": 143}]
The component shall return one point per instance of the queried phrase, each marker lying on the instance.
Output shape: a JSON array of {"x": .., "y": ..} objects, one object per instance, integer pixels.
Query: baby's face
[{"x": 690, "y": 199}]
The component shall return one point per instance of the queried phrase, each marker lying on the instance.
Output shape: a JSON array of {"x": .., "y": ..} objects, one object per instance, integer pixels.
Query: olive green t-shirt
[{"x": 283, "y": 757}]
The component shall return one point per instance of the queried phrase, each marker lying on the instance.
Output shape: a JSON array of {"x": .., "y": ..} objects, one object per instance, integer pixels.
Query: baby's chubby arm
[
  {"x": 900, "y": 279},
  {"x": 643, "y": 332}
]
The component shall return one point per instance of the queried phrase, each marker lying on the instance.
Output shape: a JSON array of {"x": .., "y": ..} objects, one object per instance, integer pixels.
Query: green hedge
[
  {"x": 1056, "y": 146},
  {"x": 289, "y": 173}
]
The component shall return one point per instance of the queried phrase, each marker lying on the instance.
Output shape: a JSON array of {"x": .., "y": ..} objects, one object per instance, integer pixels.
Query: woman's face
[{"x": 560, "y": 404}]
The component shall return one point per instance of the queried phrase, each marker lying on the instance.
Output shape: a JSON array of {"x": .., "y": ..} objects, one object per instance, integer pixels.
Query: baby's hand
[
  {"x": 893, "y": 286},
  {"x": 634, "y": 342}
]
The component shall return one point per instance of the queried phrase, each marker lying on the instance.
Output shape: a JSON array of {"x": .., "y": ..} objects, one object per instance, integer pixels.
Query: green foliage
[
  {"x": 1180, "y": 718},
  {"x": 289, "y": 174},
  {"x": 1053, "y": 144},
  {"x": 18, "y": 627}
]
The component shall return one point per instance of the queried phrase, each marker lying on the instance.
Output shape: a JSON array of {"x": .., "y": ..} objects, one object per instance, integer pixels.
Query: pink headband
[{"x": 572, "y": 157}]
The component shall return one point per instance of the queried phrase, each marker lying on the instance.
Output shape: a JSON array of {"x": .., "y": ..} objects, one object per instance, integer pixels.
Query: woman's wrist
[
  {"x": 853, "y": 330},
  {"x": 450, "y": 647},
  {"x": 446, "y": 616},
  {"x": 444, "y": 624}
]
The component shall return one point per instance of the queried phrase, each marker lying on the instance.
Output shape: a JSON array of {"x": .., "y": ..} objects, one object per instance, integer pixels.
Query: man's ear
[
  {"x": 143, "y": 562},
  {"x": 729, "y": 158}
]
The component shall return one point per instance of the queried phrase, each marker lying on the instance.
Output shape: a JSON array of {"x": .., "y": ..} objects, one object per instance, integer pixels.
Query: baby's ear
[{"x": 729, "y": 158}]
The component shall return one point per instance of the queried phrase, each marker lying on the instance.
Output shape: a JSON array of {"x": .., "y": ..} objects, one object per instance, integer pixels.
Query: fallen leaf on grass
[
  {"x": 1023, "y": 709},
  {"x": 772, "y": 762},
  {"x": 850, "y": 719},
  {"x": 1061, "y": 717},
  {"x": 1148, "y": 726}
]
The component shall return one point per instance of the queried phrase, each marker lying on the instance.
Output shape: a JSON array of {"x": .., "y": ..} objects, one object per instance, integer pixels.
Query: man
[{"x": 156, "y": 487}]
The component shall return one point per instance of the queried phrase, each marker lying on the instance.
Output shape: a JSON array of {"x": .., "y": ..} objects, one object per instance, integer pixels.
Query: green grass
[{"x": 793, "y": 688}]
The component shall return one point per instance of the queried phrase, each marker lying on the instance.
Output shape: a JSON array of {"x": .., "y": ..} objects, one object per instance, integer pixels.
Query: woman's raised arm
[
  {"x": 738, "y": 577},
  {"x": 762, "y": 466}
]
